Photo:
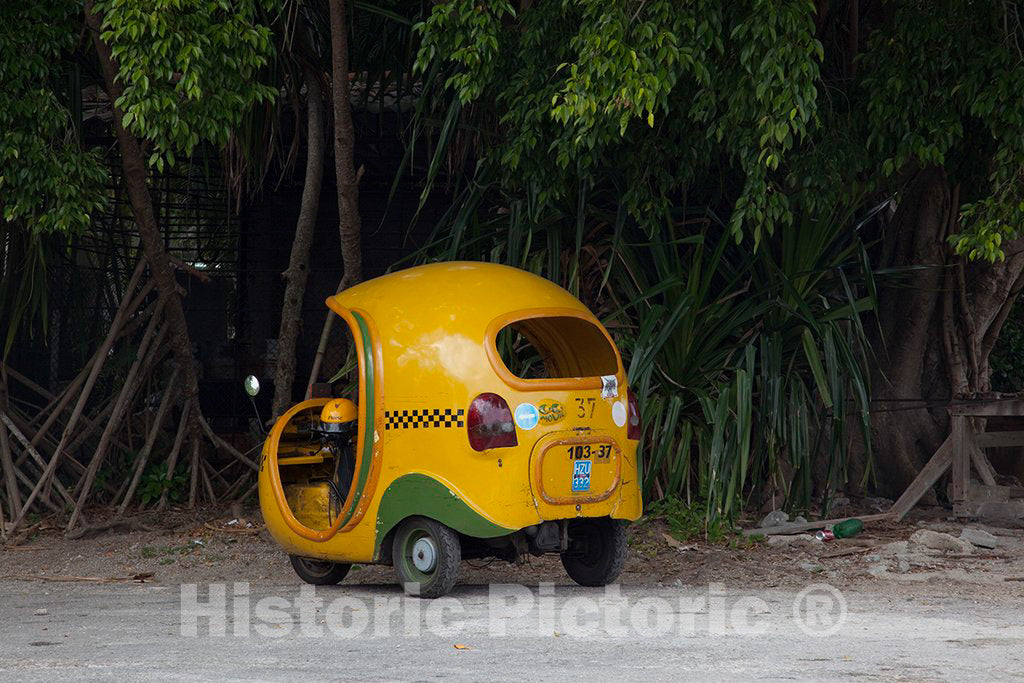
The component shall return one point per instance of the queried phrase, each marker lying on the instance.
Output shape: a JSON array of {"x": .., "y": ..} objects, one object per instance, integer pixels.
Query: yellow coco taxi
[{"x": 493, "y": 420}]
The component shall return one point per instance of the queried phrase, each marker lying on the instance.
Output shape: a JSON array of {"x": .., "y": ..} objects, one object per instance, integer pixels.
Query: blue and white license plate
[{"x": 581, "y": 476}]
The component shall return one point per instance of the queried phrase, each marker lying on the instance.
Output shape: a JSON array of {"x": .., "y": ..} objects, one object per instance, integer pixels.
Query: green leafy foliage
[
  {"x": 48, "y": 183},
  {"x": 1007, "y": 360},
  {"x": 646, "y": 88},
  {"x": 942, "y": 83},
  {"x": 155, "y": 482},
  {"x": 49, "y": 186},
  {"x": 190, "y": 69},
  {"x": 687, "y": 523},
  {"x": 607, "y": 140}
]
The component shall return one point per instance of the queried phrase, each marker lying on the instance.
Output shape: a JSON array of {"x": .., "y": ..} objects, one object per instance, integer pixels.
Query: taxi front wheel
[
  {"x": 319, "y": 572},
  {"x": 597, "y": 551},
  {"x": 426, "y": 556}
]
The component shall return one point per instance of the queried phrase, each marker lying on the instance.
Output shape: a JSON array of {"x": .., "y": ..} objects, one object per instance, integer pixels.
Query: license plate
[
  {"x": 589, "y": 451},
  {"x": 581, "y": 476}
]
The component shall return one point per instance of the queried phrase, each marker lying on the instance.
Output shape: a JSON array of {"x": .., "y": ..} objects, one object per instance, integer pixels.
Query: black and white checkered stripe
[{"x": 423, "y": 418}]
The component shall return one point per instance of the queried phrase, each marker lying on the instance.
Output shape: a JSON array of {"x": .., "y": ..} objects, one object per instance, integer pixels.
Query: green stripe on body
[
  {"x": 418, "y": 494},
  {"x": 366, "y": 461}
]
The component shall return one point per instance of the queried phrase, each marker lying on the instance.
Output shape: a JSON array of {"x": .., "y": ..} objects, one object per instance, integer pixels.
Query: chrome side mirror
[{"x": 252, "y": 386}]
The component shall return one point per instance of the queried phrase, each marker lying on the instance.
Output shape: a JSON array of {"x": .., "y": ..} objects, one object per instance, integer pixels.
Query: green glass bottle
[{"x": 848, "y": 528}]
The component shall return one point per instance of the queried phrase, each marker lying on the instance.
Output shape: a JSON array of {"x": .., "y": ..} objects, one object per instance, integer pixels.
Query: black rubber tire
[
  {"x": 448, "y": 554},
  {"x": 319, "y": 572},
  {"x": 597, "y": 551}
]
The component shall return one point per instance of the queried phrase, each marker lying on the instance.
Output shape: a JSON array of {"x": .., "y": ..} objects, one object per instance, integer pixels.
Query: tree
[
  {"x": 178, "y": 72},
  {"x": 346, "y": 177},
  {"x": 785, "y": 118},
  {"x": 50, "y": 186},
  {"x": 298, "y": 266}
]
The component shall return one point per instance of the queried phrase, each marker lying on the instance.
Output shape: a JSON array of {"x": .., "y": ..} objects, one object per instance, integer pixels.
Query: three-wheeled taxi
[{"x": 457, "y": 446}]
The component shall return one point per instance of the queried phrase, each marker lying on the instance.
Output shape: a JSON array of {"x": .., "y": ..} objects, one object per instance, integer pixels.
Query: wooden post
[
  {"x": 961, "y": 474},
  {"x": 925, "y": 479}
]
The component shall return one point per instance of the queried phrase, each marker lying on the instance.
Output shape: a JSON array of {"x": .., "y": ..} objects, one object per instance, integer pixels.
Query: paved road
[{"x": 134, "y": 632}]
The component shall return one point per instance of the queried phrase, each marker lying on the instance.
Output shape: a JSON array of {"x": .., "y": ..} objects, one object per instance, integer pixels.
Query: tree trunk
[
  {"x": 134, "y": 169},
  {"x": 298, "y": 265},
  {"x": 936, "y": 328},
  {"x": 344, "y": 151},
  {"x": 349, "y": 224}
]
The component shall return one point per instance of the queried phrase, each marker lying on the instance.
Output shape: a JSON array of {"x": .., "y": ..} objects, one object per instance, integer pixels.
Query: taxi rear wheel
[
  {"x": 319, "y": 572},
  {"x": 597, "y": 551},
  {"x": 426, "y": 555}
]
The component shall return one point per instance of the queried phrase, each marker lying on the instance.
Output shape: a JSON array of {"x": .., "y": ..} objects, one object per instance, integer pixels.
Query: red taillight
[
  {"x": 633, "y": 419},
  {"x": 490, "y": 423}
]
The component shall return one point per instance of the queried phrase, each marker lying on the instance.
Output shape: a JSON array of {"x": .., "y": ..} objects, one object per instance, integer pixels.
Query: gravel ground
[
  {"x": 134, "y": 632},
  {"x": 120, "y": 603}
]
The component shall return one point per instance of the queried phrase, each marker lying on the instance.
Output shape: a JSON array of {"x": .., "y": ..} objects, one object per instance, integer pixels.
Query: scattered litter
[
  {"x": 848, "y": 528},
  {"x": 982, "y": 539},
  {"x": 812, "y": 567},
  {"x": 460, "y": 646},
  {"x": 232, "y": 522},
  {"x": 42, "y": 612}
]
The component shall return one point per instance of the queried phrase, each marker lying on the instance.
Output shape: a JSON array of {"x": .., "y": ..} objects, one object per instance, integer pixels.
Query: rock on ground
[
  {"x": 774, "y": 518},
  {"x": 936, "y": 540},
  {"x": 795, "y": 539},
  {"x": 982, "y": 539}
]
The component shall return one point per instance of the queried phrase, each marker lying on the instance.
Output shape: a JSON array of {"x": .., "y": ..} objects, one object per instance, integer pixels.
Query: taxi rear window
[{"x": 556, "y": 347}]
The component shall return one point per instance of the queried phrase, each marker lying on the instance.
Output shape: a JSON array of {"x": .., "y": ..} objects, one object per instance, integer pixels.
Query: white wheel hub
[{"x": 424, "y": 554}]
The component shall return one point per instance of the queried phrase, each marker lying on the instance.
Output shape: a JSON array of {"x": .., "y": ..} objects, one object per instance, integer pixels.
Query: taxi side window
[{"x": 556, "y": 347}]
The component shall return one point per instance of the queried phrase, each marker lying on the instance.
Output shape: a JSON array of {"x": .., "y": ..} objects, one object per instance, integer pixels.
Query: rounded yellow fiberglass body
[{"x": 425, "y": 343}]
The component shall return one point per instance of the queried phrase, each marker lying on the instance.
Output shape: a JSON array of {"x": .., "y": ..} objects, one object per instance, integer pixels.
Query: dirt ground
[{"x": 219, "y": 544}]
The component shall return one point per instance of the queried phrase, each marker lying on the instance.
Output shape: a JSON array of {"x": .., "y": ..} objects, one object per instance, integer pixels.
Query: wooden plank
[
  {"x": 994, "y": 439},
  {"x": 784, "y": 529},
  {"x": 995, "y": 511},
  {"x": 961, "y": 473},
  {"x": 983, "y": 466},
  {"x": 925, "y": 479},
  {"x": 989, "y": 408}
]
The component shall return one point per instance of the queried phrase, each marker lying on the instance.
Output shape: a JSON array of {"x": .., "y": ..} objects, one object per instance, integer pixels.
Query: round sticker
[
  {"x": 527, "y": 416},
  {"x": 619, "y": 413}
]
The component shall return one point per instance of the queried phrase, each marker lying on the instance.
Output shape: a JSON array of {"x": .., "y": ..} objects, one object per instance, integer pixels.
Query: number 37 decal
[{"x": 585, "y": 407}]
